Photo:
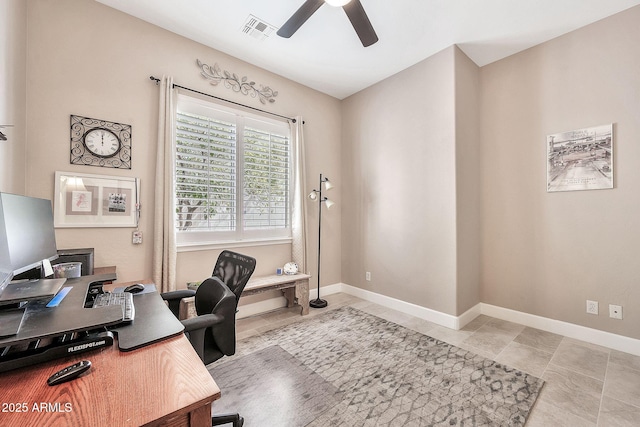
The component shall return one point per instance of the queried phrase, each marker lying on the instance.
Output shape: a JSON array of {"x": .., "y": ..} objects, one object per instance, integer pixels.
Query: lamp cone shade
[{"x": 328, "y": 185}]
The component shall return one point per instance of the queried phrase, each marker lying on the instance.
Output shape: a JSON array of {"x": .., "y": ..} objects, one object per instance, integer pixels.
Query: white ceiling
[{"x": 326, "y": 54}]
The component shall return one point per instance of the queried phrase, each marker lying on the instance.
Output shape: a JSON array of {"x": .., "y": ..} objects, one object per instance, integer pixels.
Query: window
[{"x": 233, "y": 174}]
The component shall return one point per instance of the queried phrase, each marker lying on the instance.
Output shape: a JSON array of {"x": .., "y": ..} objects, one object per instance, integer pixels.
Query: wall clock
[{"x": 96, "y": 142}]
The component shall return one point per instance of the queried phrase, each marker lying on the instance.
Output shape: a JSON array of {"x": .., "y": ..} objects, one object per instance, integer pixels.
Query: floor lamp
[{"x": 317, "y": 195}]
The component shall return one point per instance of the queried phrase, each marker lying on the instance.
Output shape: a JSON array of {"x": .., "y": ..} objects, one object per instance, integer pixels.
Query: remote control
[{"x": 69, "y": 373}]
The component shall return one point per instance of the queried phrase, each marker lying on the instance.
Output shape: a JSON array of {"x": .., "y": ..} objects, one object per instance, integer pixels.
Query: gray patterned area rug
[{"x": 349, "y": 368}]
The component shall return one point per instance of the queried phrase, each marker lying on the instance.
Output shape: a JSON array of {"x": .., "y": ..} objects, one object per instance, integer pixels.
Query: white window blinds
[
  {"x": 218, "y": 152},
  {"x": 266, "y": 179}
]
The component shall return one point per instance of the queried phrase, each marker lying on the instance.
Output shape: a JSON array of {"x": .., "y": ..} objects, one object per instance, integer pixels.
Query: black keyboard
[{"x": 123, "y": 299}]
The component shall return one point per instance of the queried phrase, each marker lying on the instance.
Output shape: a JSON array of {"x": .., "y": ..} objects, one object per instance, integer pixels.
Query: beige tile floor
[{"x": 585, "y": 384}]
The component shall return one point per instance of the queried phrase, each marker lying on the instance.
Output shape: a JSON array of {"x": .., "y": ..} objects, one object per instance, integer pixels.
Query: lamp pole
[{"x": 318, "y": 302}]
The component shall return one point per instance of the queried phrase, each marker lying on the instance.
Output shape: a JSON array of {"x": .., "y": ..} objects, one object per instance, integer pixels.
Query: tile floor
[{"x": 585, "y": 384}]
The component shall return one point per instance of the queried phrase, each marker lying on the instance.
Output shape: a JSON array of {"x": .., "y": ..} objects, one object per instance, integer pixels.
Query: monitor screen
[{"x": 28, "y": 230}]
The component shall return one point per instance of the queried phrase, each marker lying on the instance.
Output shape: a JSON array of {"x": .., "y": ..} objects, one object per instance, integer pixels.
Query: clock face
[
  {"x": 102, "y": 142},
  {"x": 291, "y": 268}
]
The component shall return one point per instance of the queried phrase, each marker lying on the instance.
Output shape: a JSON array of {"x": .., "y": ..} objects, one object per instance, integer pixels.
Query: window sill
[{"x": 205, "y": 246}]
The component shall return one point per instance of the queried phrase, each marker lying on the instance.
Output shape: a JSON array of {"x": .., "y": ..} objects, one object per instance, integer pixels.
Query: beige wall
[
  {"x": 440, "y": 169},
  {"x": 448, "y": 225},
  {"x": 399, "y": 212},
  {"x": 546, "y": 253},
  {"x": 13, "y": 32},
  {"x": 87, "y": 59},
  {"x": 468, "y": 245}
]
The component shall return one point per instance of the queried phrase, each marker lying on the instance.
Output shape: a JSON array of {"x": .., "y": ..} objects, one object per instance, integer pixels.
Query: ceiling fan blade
[
  {"x": 301, "y": 15},
  {"x": 360, "y": 22}
]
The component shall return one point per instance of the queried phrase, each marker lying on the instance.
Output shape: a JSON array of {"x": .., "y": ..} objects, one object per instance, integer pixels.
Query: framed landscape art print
[{"x": 580, "y": 159}]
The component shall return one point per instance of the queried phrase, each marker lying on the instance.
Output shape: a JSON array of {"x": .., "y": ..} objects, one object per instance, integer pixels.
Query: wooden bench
[{"x": 295, "y": 288}]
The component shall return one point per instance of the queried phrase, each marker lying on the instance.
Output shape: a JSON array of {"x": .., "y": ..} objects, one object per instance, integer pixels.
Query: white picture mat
[{"x": 88, "y": 200}]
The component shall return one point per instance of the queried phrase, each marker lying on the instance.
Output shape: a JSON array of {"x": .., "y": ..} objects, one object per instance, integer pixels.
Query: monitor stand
[{"x": 30, "y": 289}]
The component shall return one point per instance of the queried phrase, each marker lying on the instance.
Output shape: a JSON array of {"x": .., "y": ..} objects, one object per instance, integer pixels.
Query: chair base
[{"x": 318, "y": 303}]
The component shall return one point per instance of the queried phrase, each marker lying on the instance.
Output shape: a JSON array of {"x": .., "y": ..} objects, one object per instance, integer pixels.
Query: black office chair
[
  {"x": 235, "y": 270},
  {"x": 212, "y": 332}
]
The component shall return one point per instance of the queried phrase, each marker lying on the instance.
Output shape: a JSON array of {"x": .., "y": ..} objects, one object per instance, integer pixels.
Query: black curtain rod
[{"x": 157, "y": 80}]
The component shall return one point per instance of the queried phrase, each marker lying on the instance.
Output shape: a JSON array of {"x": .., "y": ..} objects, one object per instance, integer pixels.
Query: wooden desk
[
  {"x": 162, "y": 384},
  {"x": 105, "y": 270}
]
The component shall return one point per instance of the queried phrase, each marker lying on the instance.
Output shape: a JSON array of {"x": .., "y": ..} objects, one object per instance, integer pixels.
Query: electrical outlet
[
  {"x": 367, "y": 276},
  {"x": 615, "y": 311},
  {"x": 592, "y": 307}
]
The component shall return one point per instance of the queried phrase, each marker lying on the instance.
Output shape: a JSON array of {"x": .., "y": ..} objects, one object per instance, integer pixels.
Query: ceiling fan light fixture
[
  {"x": 353, "y": 8},
  {"x": 337, "y": 3}
]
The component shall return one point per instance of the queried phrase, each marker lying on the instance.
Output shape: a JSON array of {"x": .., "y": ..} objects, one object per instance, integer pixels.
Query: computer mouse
[{"x": 135, "y": 288}]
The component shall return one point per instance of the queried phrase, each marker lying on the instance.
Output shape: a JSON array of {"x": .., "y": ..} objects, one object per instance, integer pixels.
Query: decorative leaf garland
[{"x": 237, "y": 84}]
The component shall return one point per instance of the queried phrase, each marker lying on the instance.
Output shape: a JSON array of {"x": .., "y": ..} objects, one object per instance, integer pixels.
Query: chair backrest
[
  {"x": 214, "y": 297},
  {"x": 234, "y": 270}
]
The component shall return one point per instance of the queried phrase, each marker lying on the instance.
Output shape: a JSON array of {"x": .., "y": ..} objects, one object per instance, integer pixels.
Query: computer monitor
[
  {"x": 28, "y": 225},
  {"x": 27, "y": 228}
]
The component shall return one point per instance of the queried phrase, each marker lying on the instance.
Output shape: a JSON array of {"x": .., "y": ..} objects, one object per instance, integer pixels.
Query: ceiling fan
[{"x": 353, "y": 8}]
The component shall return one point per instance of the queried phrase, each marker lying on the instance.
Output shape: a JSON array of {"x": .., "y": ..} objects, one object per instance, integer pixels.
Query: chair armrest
[
  {"x": 201, "y": 322},
  {"x": 196, "y": 327},
  {"x": 173, "y": 295},
  {"x": 174, "y": 298}
]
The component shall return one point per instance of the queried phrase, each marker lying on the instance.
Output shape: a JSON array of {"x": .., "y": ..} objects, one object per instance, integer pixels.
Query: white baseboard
[
  {"x": 594, "y": 336},
  {"x": 247, "y": 310},
  {"x": 571, "y": 330},
  {"x": 443, "y": 319},
  {"x": 326, "y": 290}
]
